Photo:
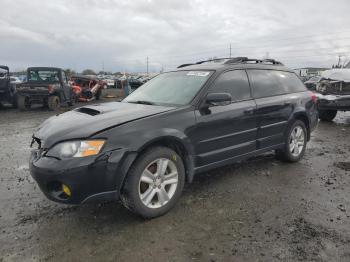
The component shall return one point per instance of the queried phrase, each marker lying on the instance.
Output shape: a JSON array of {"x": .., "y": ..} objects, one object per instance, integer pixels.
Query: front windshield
[
  {"x": 43, "y": 75},
  {"x": 173, "y": 88}
]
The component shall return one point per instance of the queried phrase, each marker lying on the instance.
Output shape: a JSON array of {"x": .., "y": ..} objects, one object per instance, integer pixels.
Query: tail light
[
  {"x": 50, "y": 88},
  {"x": 313, "y": 97}
]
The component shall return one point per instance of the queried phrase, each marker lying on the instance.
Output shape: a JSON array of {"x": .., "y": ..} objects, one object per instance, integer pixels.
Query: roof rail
[
  {"x": 252, "y": 60},
  {"x": 184, "y": 65},
  {"x": 236, "y": 60}
]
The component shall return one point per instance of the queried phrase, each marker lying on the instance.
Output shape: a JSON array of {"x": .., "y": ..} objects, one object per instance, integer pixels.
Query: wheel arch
[
  {"x": 179, "y": 144},
  {"x": 302, "y": 116}
]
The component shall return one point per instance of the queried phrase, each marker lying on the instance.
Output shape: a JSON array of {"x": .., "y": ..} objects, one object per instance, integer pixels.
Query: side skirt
[{"x": 232, "y": 160}]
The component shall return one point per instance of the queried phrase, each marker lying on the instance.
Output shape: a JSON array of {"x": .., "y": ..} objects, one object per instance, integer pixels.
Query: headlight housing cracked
[{"x": 74, "y": 149}]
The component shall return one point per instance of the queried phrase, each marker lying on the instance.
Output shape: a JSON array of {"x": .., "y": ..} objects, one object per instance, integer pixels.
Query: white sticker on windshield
[{"x": 198, "y": 73}]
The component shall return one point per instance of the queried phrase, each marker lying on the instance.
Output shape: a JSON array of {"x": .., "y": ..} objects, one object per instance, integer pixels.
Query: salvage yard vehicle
[
  {"x": 110, "y": 82},
  {"x": 86, "y": 88},
  {"x": 181, "y": 123},
  {"x": 135, "y": 83},
  {"x": 312, "y": 83},
  {"x": 47, "y": 86},
  {"x": 333, "y": 92},
  {"x": 7, "y": 88}
]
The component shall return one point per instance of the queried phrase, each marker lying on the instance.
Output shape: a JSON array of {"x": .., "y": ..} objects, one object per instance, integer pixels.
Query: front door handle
[
  {"x": 287, "y": 103},
  {"x": 249, "y": 111}
]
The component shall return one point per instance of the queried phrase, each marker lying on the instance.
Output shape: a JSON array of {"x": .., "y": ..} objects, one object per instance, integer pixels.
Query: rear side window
[
  {"x": 291, "y": 82},
  {"x": 232, "y": 82},
  {"x": 271, "y": 83}
]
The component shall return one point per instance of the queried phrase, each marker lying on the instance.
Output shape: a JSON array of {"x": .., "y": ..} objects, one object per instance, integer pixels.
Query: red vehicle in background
[{"x": 86, "y": 88}]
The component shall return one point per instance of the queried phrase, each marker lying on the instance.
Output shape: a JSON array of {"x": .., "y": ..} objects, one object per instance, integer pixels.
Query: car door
[
  {"x": 274, "y": 106},
  {"x": 67, "y": 89},
  {"x": 224, "y": 132}
]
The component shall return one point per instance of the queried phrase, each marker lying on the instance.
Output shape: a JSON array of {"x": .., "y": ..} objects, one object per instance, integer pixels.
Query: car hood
[
  {"x": 342, "y": 75},
  {"x": 86, "y": 121}
]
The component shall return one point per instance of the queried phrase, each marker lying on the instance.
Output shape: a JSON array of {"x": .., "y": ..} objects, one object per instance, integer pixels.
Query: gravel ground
[{"x": 257, "y": 210}]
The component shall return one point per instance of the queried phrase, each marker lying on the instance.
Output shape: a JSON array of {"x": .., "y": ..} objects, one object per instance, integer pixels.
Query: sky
[{"x": 118, "y": 35}]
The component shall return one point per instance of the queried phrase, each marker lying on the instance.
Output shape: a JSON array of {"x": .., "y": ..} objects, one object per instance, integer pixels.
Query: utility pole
[
  {"x": 103, "y": 67},
  {"x": 230, "y": 50},
  {"x": 147, "y": 64},
  {"x": 339, "y": 59}
]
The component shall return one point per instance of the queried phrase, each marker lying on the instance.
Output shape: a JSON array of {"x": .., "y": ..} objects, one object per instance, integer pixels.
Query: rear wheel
[
  {"x": 295, "y": 143},
  {"x": 154, "y": 182},
  {"x": 54, "y": 103},
  {"x": 327, "y": 115},
  {"x": 23, "y": 103}
]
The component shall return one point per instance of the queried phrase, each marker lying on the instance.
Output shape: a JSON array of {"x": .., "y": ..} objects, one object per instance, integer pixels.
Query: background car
[
  {"x": 333, "y": 92},
  {"x": 48, "y": 86},
  {"x": 86, "y": 88},
  {"x": 15, "y": 80},
  {"x": 312, "y": 82},
  {"x": 7, "y": 88}
]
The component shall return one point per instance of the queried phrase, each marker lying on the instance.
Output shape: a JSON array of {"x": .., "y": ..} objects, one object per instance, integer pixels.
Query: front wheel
[
  {"x": 327, "y": 115},
  {"x": 154, "y": 182},
  {"x": 295, "y": 143},
  {"x": 23, "y": 103},
  {"x": 54, "y": 103}
]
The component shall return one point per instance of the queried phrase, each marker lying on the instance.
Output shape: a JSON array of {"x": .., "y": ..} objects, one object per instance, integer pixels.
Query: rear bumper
[
  {"x": 333, "y": 102},
  {"x": 90, "y": 179},
  {"x": 34, "y": 95}
]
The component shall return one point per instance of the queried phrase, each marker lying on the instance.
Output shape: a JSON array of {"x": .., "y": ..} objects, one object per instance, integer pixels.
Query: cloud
[{"x": 121, "y": 34}]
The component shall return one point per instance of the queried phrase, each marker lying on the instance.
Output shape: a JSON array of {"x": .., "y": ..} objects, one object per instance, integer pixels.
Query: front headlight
[{"x": 71, "y": 149}]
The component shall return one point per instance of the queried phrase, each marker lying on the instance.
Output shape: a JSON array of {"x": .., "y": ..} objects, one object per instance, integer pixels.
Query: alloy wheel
[
  {"x": 297, "y": 141},
  {"x": 158, "y": 183}
]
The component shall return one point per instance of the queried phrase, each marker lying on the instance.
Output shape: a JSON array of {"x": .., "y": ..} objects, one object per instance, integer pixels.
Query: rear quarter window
[
  {"x": 291, "y": 82},
  {"x": 271, "y": 83}
]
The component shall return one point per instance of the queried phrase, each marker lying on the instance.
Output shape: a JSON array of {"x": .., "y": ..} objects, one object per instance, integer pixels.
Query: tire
[
  {"x": 294, "y": 153},
  {"x": 134, "y": 192},
  {"x": 23, "y": 103},
  {"x": 327, "y": 115},
  {"x": 54, "y": 103}
]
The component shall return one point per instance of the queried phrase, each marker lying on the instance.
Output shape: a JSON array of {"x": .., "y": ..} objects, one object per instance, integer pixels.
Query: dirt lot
[{"x": 259, "y": 210}]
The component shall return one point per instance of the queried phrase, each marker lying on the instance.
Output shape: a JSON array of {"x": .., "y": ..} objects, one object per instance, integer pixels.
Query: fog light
[{"x": 66, "y": 190}]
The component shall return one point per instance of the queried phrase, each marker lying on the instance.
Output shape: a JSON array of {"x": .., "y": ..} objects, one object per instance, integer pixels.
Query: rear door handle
[{"x": 249, "y": 111}]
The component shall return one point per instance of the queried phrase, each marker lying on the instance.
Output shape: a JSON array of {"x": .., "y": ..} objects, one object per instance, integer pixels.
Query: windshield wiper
[{"x": 141, "y": 102}]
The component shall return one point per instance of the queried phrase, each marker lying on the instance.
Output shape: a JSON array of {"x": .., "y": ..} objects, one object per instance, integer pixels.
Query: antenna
[{"x": 147, "y": 62}]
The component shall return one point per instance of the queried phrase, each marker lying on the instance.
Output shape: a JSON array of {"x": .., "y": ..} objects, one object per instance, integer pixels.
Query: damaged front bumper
[
  {"x": 89, "y": 179},
  {"x": 333, "y": 102}
]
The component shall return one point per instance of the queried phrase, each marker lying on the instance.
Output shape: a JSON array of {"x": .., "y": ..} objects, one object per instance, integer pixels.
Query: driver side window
[{"x": 233, "y": 82}]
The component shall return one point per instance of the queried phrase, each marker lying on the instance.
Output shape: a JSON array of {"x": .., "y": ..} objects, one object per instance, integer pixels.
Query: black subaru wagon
[{"x": 201, "y": 116}]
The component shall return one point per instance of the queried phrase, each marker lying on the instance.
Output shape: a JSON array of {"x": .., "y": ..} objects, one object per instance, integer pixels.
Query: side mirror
[{"x": 218, "y": 99}]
